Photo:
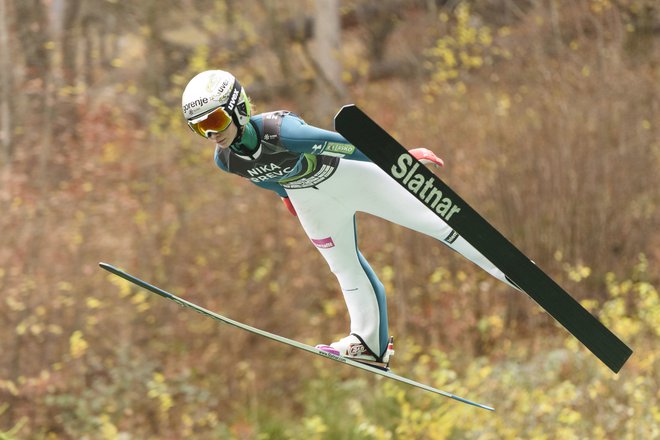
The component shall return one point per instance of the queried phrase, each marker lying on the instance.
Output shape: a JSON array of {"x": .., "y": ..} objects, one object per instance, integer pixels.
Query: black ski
[{"x": 388, "y": 154}]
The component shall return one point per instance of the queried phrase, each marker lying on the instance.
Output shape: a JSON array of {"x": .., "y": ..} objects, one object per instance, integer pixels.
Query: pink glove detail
[
  {"x": 426, "y": 156},
  {"x": 289, "y": 206}
]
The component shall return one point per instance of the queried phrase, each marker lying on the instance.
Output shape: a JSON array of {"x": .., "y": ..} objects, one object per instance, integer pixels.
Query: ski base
[{"x": 290, "y": 342}]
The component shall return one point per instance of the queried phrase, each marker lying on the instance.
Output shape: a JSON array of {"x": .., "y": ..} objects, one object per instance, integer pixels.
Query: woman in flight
[{"x": 324, "y": 180}]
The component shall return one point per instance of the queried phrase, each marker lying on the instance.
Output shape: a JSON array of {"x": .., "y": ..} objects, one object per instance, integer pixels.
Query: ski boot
[{"x": 354, "y": 348}]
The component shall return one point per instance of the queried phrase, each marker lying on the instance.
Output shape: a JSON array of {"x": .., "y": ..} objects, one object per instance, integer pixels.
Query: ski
[
  {"x": 290, "y": 342},
  {"x": 388, "y": 154}
]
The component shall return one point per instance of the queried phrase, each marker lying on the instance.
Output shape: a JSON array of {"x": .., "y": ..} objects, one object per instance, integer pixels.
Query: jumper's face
[{"x": 224, "y": 138}]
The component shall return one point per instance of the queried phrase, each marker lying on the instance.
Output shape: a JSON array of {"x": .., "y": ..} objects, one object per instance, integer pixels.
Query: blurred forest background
[{"x": 547, "y": 113}]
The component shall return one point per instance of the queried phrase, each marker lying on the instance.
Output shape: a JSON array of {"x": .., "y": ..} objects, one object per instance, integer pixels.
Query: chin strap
[
  {"x": 238, "y": 146},
  {"x": 426, "y": 156}
]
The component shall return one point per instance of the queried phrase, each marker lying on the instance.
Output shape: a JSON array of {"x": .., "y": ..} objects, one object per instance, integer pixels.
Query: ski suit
[{"x": 328, "y": 180}]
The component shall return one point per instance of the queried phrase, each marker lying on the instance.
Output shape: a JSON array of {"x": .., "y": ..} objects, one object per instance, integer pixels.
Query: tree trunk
[
  {"x": 327, "y": 40},
  {"x": 69, "y": 43},
  {"x": 33, "y": 34},
  {"x": 67, "y": 103},
  {"x": 6, "y": 70}
]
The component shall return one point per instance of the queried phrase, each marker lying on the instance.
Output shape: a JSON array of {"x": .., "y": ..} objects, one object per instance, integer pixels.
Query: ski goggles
[{"x": 213, "y": 122}]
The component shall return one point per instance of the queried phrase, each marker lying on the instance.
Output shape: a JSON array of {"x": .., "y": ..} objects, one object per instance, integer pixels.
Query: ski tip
[
  {"x": 346, "y": 111},
  {"x": 109, "y": 267},
  {"x": 346, "y": 107}
]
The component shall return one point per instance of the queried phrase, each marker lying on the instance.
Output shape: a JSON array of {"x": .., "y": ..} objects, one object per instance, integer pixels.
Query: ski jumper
[{"x": 328, "y": 180}]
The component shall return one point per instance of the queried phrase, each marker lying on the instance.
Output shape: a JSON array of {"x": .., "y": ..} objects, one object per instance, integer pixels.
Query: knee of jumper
[{"x": 353, "y": 273}]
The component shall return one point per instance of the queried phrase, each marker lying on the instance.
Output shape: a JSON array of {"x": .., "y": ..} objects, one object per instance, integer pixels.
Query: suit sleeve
[{"x": 303, "y": 138}]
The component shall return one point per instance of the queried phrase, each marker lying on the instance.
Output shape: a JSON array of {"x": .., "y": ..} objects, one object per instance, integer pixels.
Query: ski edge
[{"x": 182, "y": 302}]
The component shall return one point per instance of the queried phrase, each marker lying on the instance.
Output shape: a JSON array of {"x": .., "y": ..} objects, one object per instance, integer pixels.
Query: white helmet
[{"x": 214, "y": 89}]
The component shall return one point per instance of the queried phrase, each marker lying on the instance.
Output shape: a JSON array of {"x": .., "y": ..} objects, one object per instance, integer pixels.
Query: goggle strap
[{"x": 234, "y": 97}]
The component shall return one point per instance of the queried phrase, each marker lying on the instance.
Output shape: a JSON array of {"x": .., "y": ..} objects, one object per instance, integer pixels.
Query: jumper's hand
[
  {"x": 426, "y": 156},
  {"x": 289, "y": 206}
]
